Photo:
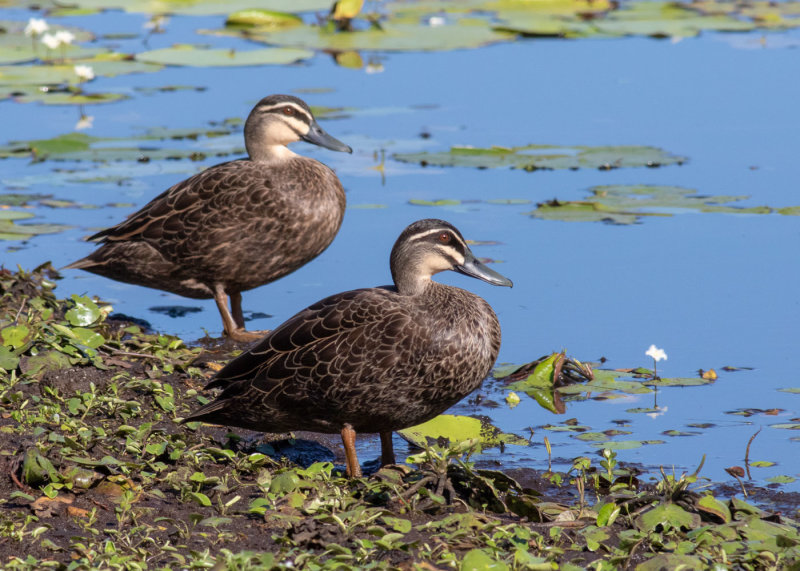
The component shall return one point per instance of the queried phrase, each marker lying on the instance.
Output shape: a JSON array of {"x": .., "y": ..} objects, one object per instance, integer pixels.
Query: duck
[
  {"x": 236, "y": 225},
  {"x": 372, "y": 360}
]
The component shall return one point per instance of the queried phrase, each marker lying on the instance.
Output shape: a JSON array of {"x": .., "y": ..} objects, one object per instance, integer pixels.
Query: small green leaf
[
  {"x": 480, "y": 560},
  {"x": 284, "y": 483},
  {"x": 200, "y": 498},
  {"x": 15, "y": 336},
  {"x": 8, "y": 360},
  {"x": 85, "y": 312},
  {"x": 88, "y": 337},
  {"x": 664, "y": 515}
]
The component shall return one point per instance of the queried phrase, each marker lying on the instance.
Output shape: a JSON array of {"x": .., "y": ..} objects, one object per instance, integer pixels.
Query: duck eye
[
  {"x": 444, "y": 238},
  {"x": 288, "y": 111}
]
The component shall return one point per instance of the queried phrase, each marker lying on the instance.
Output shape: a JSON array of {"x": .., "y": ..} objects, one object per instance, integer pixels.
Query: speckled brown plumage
[
  {"x": 377, "y": 359},
  {"x": 236, "y": 225}
]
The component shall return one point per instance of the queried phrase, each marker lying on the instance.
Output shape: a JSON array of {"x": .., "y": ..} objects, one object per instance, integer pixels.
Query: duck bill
[
  {"x": 317, "y": 136},
  {"x": 474, "y": 268}
]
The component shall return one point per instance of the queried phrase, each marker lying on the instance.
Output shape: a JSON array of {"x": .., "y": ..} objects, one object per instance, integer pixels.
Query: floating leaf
[
  {"x": 266, "y": 19},
  {"x": 782, "y": 479},
  {"x": 550, "y": 157},
  {"x": 762, "y": 464},
  {"x": 627, "y": 204},
  {"x": 459, "y": 429},
  {"x": 193, "y": 56},
  {"x": 626, "y": 444},
  {"x": 391, "y": 36},
  {"x": 197, "y": 7}
]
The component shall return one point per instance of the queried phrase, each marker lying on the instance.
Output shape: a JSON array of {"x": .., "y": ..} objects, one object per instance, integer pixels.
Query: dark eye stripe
[{"x": 277, "y": 109}]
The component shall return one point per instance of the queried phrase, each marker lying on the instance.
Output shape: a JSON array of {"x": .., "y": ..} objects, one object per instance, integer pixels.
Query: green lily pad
[
  {"x": 793, "y": 390},
  {"x": 628, "y": 204},
  {"x": 262, "y": 19},
  {"x": 459, "y": 429},
  {"x": 787, "y": 426},
  {"x": 626, "y": 444},
  {"x": 11, "y": 231},
  {"x": 199, "y": 7},
  {"x": 393, "y": 35},
  {"x": 16, "y": 47},
  {"x": 549, "y": 157},
  {"x": 83, "y": 147},
  {"x": 193, "y": 56},
  {"x": 782, "y": 479}
]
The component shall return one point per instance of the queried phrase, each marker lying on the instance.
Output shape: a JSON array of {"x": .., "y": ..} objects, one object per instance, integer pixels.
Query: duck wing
[{"x": 324, "y": 358}]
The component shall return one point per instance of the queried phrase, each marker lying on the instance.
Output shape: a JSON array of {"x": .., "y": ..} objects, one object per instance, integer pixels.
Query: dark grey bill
[
  {"x": 319, "y": 137},
  {"x": 474, "y": 268}
]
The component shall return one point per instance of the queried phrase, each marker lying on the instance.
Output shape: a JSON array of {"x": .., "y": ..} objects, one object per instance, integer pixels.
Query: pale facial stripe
[
  {"x": 306, "y": 116},
  {"x": 423, "y": 235}
]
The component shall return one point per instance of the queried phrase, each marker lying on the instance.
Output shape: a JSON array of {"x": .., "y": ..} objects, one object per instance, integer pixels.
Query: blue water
[{"x": 713, "y": 290}]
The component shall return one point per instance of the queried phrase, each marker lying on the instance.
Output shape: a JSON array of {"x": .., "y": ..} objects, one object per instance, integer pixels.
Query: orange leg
[
  {"x": 387, "y": 451},
  {"x": 233, "y": 324},
  {"x": 349, "y": 441}
]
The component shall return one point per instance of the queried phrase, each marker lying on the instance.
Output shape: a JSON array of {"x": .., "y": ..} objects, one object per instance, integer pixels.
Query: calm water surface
[{"x": 713, "y": 290}]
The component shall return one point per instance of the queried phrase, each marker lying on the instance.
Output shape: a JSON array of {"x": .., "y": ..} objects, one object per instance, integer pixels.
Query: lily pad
[
  {"x": 83, "y": 147},
  {"x": 392, "y": 36},
  {"x": 548, "y": 157},
  {"x": 194, "y": 56},
  {"x": 628, "y": 204},
  {"x": 459, "y": 429},
  {"x": 11, "y": 231},
  {"x": 199, "y": 7},
  {"x": 626, "y": 444}
]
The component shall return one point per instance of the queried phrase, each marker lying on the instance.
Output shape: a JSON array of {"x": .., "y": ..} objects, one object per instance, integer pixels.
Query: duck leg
[
  {"x": 349, "y": 441},
  {"x": 236, "y": 309},
  {"x": 229, "y": 321},
  {"x": 387, "y": 451}
]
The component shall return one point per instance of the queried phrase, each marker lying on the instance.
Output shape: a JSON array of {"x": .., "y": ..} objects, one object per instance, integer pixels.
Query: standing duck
[
  {"x": 236, "y": 225},
  {"x": 370, "y": 360}
]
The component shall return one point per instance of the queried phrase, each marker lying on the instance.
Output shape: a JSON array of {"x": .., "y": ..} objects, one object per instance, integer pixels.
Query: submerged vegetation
[{"x": 98, "y": 474}]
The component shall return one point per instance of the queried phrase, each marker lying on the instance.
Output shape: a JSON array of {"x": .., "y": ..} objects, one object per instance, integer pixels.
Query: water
[{"x": 713, "y": 290}]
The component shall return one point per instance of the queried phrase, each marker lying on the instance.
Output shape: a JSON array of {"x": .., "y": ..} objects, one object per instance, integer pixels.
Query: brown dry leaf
[
  {"x": 77, "y": 512},
  {"x": 735, "y": 471},
  {"x": 49, "y": 507}
]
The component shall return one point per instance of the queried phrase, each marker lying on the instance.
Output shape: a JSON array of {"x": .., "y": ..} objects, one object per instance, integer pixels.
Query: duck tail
[{"x": 206, "y": 413}]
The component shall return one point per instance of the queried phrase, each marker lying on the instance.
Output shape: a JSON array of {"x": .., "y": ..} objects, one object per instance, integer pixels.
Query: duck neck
[{"x": 270, "y": 153}]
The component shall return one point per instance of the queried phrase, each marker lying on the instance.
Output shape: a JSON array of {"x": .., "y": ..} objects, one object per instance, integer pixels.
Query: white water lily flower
[
  {"x": 50, "y": 41},
  {"x": 656, "y": 353},
  {"x": 64, "y": 37},
  {"x": 85, "y": 122},
  {"x": 436, "y": 21},
  {"x": 84, "y": 72},
  {"x": 36, "y": 27}
]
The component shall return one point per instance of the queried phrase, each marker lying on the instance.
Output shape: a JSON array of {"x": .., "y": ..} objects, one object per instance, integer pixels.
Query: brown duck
[
  {"x": 236, "y": 225},
  {"x": 370, "y": 360}
]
